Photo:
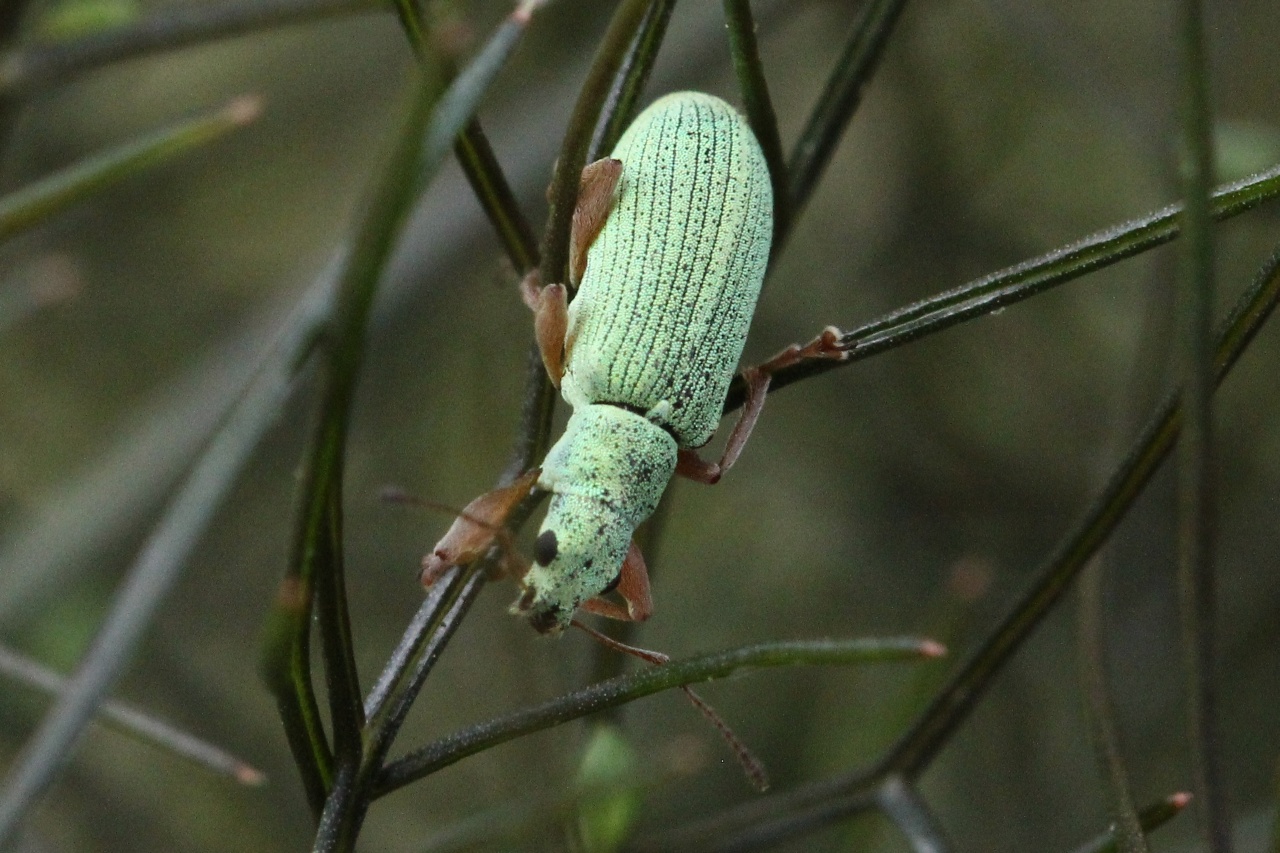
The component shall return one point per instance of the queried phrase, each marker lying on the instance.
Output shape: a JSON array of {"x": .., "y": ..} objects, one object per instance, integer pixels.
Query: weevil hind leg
[
  {"x": 633, "y": 587},
  {"x": 825, "y": 346},
  {"x": 476, "y": 528},
  {"x": 596, "y": 191},
  {"x": 690, "y": 464}
]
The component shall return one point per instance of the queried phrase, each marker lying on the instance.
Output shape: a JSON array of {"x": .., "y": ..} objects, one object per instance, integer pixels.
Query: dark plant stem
[
  {"x": 628, "y": 688},
  {"x": 760, "y": 115},
  {"x": 912, "y": 816},
  {"x": 475, "y": 155},
  {"x": 1150, "y": 818},
  {"x": 917, "y": 748},
  {"x": 36, "y": 66},
  {"x": 1101, "y": 714},
  {"x": 633, "y": 72},
  {"x": 605, "y": 71},
  {"x": 839, "y": 100},
  {"x": 1196, "y": 521},
  {"x": 1014, "y": 284}
]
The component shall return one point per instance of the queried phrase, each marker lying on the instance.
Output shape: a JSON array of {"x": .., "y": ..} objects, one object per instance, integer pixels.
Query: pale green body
[{"x": 654, "y": 336}]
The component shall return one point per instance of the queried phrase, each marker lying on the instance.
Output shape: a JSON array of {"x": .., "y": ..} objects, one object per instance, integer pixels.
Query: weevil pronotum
[{"x": 670, "y": 241}]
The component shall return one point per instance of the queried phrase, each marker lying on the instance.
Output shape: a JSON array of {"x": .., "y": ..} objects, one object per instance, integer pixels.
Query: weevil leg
[
  {"x": 474, "y": 530},
  {"x": 825, "y": 346},
  {"x": 595, "y": 201},
  {"x": 550, "y": 322},
  {"x": 690, "y": 464},
  {"x": 633, "y": 586},
  {"x": 550, "y": 307}
]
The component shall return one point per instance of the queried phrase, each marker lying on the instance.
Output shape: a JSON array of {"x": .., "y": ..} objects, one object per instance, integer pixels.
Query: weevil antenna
[{"x": 751, "y": 766}]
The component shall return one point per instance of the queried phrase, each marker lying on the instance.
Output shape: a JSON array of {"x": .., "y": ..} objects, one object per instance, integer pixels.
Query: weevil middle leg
[{"x": 689, "y": 464}]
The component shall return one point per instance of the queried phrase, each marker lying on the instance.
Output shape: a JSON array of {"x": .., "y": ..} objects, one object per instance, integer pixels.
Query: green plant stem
[
  {"x": 1150, "y": 818},
  {"x": 760, "y": 115},
  {"x": 921, "y": 744},
  {"x": 839, "y": 100},
  {"x": 434, "y": 125},
  {"x": 135, "y": 722},
  {"x": 30, "y": 67},
  {"x": 915, "y": 750},
  {"x": 484, "y": 173},
  {"x": 628, "y": 688},
  {"x": 36, "y": 202},
  {"x": 475, "y": 154},
  {"x": 629, "y": 80},
  {"x": 740, "y": 829},
  {"x": 1022, "y": 281},
  {"x": 317, "y": 554},
  {"x": 609, "y": 61},
  {"x": 1196, "y": 517},
  {"x": 1101, "y": 714}
]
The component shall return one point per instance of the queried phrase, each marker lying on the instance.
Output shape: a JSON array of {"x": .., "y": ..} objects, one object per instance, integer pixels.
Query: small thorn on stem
[
  {"x": 244, "y": 109},
  {"x": 1180, "y": 800},
  {"x": 933, "y": 649}
]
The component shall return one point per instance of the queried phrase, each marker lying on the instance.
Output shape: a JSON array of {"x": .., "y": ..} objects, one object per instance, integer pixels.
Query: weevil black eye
[
  {"x": 613, "y": 584},
  {"x": 545, "y": 548}
]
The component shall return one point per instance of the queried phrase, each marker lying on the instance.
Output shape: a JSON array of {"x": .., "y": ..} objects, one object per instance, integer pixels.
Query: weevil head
[
  {"x": 605, "y": 475},
  {"x": 578, "y": 555}
]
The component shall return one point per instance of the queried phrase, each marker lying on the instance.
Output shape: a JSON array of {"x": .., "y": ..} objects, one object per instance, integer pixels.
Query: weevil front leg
[
  {"x": 550, "y": 304},
  {"x": 476, "y": 528},
  {"x": 825, "y": 346},
  {"x": 633, "y": 587}
]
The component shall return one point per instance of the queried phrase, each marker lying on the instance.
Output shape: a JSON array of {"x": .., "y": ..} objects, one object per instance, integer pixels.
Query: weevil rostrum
[{"x": 670, "y": 242}]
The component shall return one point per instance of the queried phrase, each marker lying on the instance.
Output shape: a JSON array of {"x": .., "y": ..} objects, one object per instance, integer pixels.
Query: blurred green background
[{"x": 912, "y": 493}]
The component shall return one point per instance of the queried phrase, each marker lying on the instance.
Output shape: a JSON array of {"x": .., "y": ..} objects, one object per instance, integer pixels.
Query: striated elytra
[{"x": 653, "y": 339}]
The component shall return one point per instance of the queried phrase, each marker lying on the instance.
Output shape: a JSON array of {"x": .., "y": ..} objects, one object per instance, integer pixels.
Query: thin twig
[
  {"x": 1150, "y": 818},
  {"x": 35, "y": 66},
  {"x": 136, "y": 722},
  {"x": 916, "y": 749},
  {"x": 760, "y": 115},
  {"x": 903, "y": 805},
  {"x": 159, "y": 563},
  {"x": 41, "y": 199},
  {"x": 1022, "y": 281},
  {"x": 628, "y": 688},
  {"x": 1101, "y": 714},
  {"x": 475, "y": 155},
  {"x": 1196, "y": 517},
  {"x": 633, "y": 72},
  {"x": 839, "y": 99},
  {"x": 610, "y": 56}
]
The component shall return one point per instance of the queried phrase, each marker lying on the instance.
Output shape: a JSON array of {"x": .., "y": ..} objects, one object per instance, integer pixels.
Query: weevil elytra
[{"x": 670, "y": 242}]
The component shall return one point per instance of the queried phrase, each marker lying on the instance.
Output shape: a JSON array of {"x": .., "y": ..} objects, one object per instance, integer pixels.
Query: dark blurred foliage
[{"x": 911, "y": 493}]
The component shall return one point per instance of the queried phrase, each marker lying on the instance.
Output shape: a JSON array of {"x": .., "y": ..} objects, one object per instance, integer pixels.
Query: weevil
[{"x": 670, "y": 241}]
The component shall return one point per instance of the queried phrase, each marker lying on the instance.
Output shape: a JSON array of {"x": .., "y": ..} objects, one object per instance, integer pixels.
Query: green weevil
[{"x": 671, "y": 238}]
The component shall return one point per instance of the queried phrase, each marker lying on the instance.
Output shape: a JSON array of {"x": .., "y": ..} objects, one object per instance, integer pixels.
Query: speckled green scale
[
  {"x": 606, "y": 475},
  {"x": 654, "y": 337},
  {"x": 672, "y": 280}
]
